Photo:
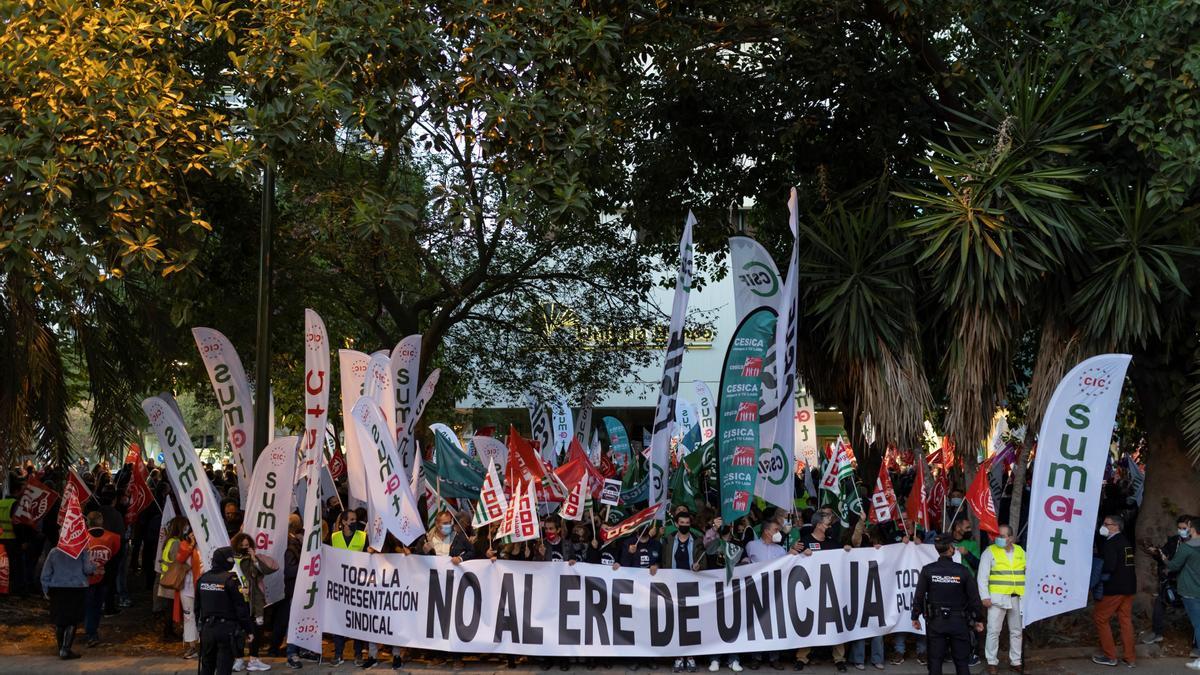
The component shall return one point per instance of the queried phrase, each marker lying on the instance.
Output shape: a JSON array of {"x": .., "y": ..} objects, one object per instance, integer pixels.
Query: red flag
[
  {"x": 576, "y": 452},
  {"x": 883, "y": 502},
  {"x": 72, "y": 535},
  {"x": 607, "y": 468},
  {"x": 137, "y": 491},
  {"x": 890, "y": 459},
  {"x": 3, "y": 571},
  {"x": 916, "y": 506},
  {"x": 608, "y": 533},
  {"x": 489, "y": 430},
  {"x": 520, "y": 450},
  {"x": 937, "y": 499},
  {"x": 337, "y": 463},
  {"x": 36, "y": 500},
  {"x": 979, "y": 496},
  {"x": 74, "y": 485}
]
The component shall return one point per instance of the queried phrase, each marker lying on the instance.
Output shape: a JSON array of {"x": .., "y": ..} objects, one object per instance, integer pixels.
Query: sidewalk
[{"x": 47, "y": 665}]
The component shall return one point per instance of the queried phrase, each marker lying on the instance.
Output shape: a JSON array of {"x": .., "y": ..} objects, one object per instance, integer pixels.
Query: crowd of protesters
[{"x": 125, "y": 556}]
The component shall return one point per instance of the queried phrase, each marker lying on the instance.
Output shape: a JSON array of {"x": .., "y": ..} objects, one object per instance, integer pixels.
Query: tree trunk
[{"x": 1170, "y": 488}]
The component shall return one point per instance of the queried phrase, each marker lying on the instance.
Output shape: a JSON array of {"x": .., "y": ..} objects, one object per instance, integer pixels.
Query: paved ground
[{"x": 93, "y": 663}]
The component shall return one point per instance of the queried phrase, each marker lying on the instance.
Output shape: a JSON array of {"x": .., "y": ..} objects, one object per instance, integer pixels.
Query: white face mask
[
  {"x": 447, "y": 529},
  {"x": 1183, "y": 533},
  {"x": 776, "y": 538},
  {"x": 1103, "y": 531},
  {"x": 956, "y": 502}
]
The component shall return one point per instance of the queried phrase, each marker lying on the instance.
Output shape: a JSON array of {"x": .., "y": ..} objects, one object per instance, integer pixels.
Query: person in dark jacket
[
  {"x": 948, "y": 597},
  {"x": 291, "y": 568},
  {"x": 1120, "y": 585},
  {"x": 222, "y": 614}
]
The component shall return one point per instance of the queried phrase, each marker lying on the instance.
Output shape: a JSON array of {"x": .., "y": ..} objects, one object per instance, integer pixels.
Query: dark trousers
[
  {"x": 946, "y": 634},
  {"x": 216, "y": 647},
  {"x": 339, "y": 646},
  {"x": 93, "y": 609},
  {"x": 279, "y": 620}
]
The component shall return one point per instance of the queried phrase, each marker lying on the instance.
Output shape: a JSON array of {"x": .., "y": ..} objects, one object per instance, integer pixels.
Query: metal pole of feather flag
[{"x": 262, "y": 366}]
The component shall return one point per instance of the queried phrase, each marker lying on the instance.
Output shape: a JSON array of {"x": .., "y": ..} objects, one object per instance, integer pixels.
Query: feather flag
[{"x": 492, "y": 502}]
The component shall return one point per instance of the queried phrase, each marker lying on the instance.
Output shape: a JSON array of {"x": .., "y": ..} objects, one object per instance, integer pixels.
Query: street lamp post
[{"x": 262, "y": 369}]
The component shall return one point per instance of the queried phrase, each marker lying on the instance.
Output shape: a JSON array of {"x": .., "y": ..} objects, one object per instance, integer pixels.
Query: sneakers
[
  {"x": 253, "y": 664},
  {"x": 714, "y": 665},
  {"x": 336, "y": 661},
  {"x": 294, "y": 663},
  {"x": 735, "y": 664},
  {"x": 1104, "y": 660},
  {"x": 239, "y": 665},
  {"x": 691, "y": 665},
  {"x": 841, "y": 666},
  {"x": 798, "y": 666},
  {"x": 897, "y": 660},
  {"x": 1151, "y": 637},
  {"x": 190, "y": 652},
  {"x": 860, "y": 666},
  {"x": 677, "y": 667},
  {"x": 921, "y": 659},
  {"x": 878, "y": 666},
  {"x": 369, "y": 663},
  {"x": 1194, "y": 665},
  {"x": 310, "y": 656},
  {"x": 398, "y": 663},
  {"x": 974, "y": 660}
]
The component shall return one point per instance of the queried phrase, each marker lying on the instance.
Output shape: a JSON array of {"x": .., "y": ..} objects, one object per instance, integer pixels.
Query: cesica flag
[
  {"x": 1067, "y": 475},
  {"x": 828, "y": 598},
  {"x": 738, "y": 421}
]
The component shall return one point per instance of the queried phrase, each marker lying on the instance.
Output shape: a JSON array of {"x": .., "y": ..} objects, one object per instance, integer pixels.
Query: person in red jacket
[{"x": 102, "y": 548}]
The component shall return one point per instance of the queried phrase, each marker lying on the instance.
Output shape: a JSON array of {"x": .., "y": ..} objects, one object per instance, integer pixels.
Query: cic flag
[{"x": 1067, "y": 475}]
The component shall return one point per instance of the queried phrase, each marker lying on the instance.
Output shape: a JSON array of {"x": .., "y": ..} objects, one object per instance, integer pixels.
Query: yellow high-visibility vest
[
  {"x": 1008, "y": 574},
  {"x": 6, "y": 523},
  {"x": 358, "y": 541},
  {"x": 168, "y": 556}
]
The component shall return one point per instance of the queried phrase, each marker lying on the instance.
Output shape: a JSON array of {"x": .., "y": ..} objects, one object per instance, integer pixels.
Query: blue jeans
[
  {"x": 92, "y": 609},
  {"x": 1192, "y": 606},
  {"x": 339, "y": 646},
  {"x": 858, "y": 650},
  {"x": 901, "y": 643}
]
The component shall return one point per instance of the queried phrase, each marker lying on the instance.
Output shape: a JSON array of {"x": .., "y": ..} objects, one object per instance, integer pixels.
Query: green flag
[
  {"x": 738, "y": 418},
  {"x": 732, "y": 553},
  {"x": 458, "y": 475},
  {"x": 683, "y": 489},
  {"x": 634, "y": 486}
]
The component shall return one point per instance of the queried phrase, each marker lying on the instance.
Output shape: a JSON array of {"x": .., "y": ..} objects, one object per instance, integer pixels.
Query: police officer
[
  {"x": 946, "y": 594},
  {"x": 222, "y": 614}
]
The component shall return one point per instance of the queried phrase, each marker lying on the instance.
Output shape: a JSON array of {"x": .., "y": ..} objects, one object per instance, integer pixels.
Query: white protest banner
[
  {"x": 393, "y": 505},
  {"x": 352, "y": 369},
  {"x": 562, "y": 425},
  {"x": 379, "y": 387},
  {"x": 490, "y": 449},
  {"x": 232, "y": 389},
  {"x": 316, "y": 388},
  {"x": 269, "y": 505},
  {"x": 479, "y": 606},
  {"x": 664, "y": 411},
  {"x": 583, "y": 421},
  {"x": 406, "y": 448},
  {"x": 541, "y": 430},
  {"x": 706, "y": 411},
  {"x": 304, "y": 617},
  {"x": 806, "y": 432},
  {"x": 187, "y": 478},
  {"x": 405, "y": 364},
  {"x": 777, "y": 437},
  {"x": 1068, "y": 473}
]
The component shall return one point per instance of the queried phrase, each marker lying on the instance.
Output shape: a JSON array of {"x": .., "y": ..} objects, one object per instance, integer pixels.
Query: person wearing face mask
[
  {"x": 351, "y": 535},
  {"x": 683, "y": 551},
  {"x": 967, "y": 547},
  {"x": 1186, "y": 563},
  {"x": 223, "y": 615},
  {"x": 1001, "y": 582},
  {"x": 1120, "y": 585},
  {"x": 819, "y": 537},
  {"x": 1168, "y": 593},
  {"x": 554, "y": 547},
  {"x": 250, "y": 568},
  {"x": 642, "y": 550},
  {"x": 767, "y": 547}
]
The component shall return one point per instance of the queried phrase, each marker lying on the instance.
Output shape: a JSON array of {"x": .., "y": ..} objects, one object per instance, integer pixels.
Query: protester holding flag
[
  {"x": 102, "y": 547},
  {"x": 65, "y": 579}
]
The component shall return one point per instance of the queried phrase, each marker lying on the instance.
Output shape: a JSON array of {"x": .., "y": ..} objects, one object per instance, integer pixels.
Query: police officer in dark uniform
[
  {"x": 948, "y": 597},
  {"x": 222, "y": 614}
]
